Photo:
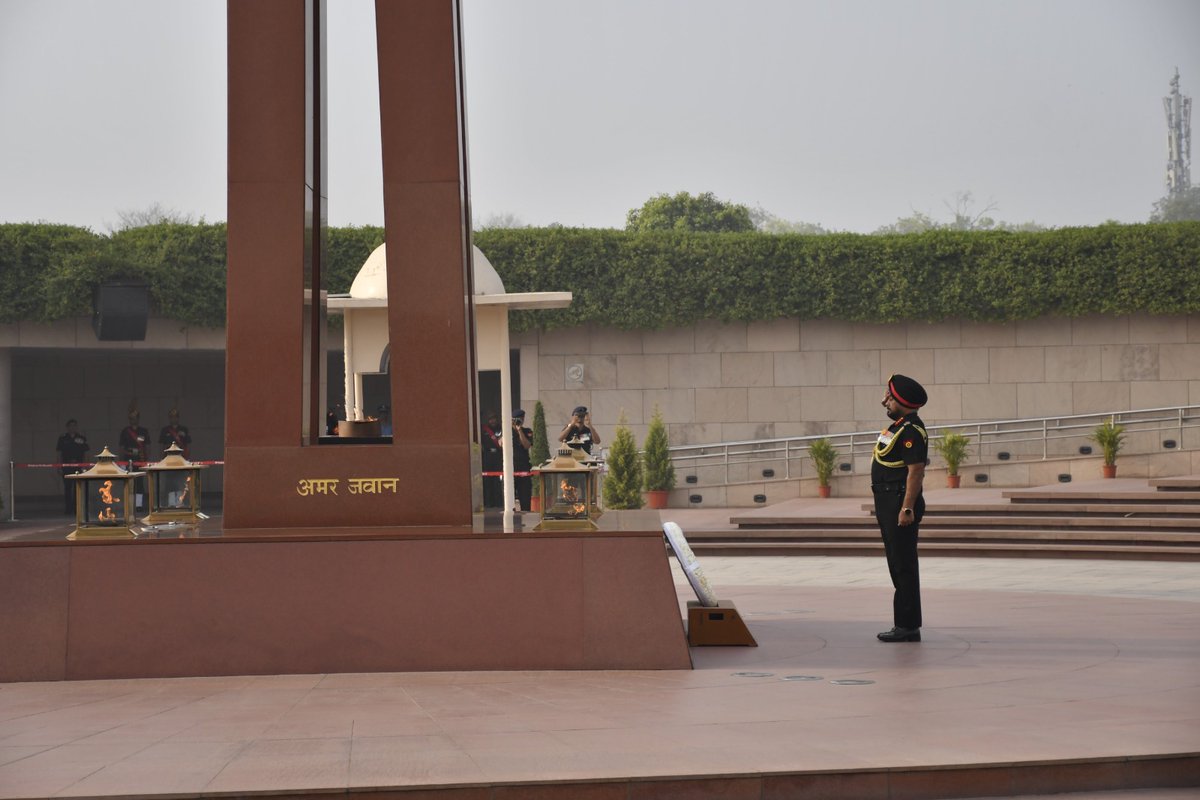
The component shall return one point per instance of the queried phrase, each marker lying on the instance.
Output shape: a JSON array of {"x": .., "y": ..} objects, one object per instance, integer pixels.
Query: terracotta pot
[
  {"x": 656, "y": 498},
  {"x": 824, "y": 491},
  {"x": 535, "y": 503},
  {"x": 953, "y": 481},
  {"x": 1108, "y": 470}
]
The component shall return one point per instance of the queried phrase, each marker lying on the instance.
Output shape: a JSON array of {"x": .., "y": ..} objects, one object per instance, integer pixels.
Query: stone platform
[{"x": 1034, "y": 677}]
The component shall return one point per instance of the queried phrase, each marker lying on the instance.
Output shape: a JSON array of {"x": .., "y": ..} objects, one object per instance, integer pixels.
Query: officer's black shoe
[{"x": 900, "y": 635}]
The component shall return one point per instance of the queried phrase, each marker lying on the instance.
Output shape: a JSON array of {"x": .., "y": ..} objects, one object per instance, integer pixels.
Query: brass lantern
[
  {"x": 569, "y": 486},
  {"x": 104, "y": 500},
  {"x": 174, "y": 489}
]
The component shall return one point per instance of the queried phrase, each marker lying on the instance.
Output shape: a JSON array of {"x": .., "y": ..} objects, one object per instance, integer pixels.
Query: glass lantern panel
[
  {"x": 104, "y": 503},
  {"x": 568, "y": 494},
  {"x": 173, "y": 490}
]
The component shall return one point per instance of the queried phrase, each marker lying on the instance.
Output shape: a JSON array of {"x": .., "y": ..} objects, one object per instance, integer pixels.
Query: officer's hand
[{"x": 907, "y": 517}]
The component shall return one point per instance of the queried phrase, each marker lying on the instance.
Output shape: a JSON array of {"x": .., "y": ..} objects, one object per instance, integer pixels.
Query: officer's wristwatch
[{"x": 906, "y": 511}]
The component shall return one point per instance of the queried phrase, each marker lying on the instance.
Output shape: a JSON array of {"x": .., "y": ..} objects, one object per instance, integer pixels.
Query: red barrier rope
[{"x": 60, "y": 465}]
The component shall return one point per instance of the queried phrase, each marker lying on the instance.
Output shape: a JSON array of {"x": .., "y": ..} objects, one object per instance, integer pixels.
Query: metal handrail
[{"x": 1026, "y": 439}]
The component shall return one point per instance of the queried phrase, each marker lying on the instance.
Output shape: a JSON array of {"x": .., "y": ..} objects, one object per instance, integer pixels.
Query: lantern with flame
[
  {"x": 104, "y": 500},
  {"x": 569, "y": 493},
  {"x": 174, "y": 489}
]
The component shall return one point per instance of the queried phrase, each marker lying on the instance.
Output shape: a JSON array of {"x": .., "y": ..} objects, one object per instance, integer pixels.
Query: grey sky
[{"x": 849, "y": 114}]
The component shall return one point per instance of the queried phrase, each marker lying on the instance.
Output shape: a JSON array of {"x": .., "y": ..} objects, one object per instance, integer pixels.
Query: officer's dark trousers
[
  {"x": 900, "y": 546},
  {"x": 523, "y": 488}
]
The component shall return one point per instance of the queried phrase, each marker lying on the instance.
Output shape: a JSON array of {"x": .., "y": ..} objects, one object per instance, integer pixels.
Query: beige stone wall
[{"x": 723, "y": 382}]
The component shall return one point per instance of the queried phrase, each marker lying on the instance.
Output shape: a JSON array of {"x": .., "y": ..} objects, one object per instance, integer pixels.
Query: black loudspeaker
[{"x": 120, "y": 310}]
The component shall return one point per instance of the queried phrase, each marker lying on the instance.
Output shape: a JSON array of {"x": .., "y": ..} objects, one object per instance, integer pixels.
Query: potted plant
[
  {"x": 659, "y": 477},
  {"x": 824, "y": 457},
  {"x": 1110, "y": 436},
  {"x": 623, "y": 484},
  {"x": 953, "y": 448},
  {"x": 539, "y": 453}
]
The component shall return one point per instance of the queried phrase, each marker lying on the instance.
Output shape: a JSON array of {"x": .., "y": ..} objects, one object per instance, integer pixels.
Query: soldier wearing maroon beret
[{"x": 897, "y": 475}]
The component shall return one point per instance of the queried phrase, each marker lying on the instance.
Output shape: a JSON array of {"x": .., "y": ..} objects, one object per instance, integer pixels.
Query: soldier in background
[
  {"x": 72, "y": 449},
  {"x": 174, "y": 433}
]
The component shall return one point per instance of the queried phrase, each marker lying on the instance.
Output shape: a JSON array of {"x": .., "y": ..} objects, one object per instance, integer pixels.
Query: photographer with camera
[
  {"x": 581, "y": 426},
  {"x": 522, "y": 440}
]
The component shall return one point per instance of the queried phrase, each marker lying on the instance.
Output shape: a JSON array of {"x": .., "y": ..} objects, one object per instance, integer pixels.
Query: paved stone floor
[{"x": 1094, "y": 663}]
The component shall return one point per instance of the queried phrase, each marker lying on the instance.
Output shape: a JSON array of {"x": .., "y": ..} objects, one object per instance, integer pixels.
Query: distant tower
[{"x": 1179, "y": 139}]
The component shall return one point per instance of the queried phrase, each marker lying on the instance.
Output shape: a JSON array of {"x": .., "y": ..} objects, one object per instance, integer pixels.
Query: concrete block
[
  {"x": 1016, "y": 365},
  {"x": 558, "y": 406},
  {"x": 1095, "y": 398},
  {"x": 599, "y": 372},
  {"x": 914, "y": 363},
  {"x": 1130, "y": 362},
  {"x": 989, "y": 401},
  {"x": 1100, "y": 329},
  {"x": 747, "y": 431},
  {"x": 964, "y": 365},
  {"x": 54, "y": 334},
  {"x": 613, "y": 341},
  {"x": 721, "y": 405},
  {"x": 694, "y": 433},
  {"x": 676, "y": 405},
  {"x": 945, "y": 404},
  {"x": 713, "y": 336},
  {"x": 162, "y": 333},
  {"x": 868, "y": 403},
  {"x": 551, "y": 373},
  {"x": 565, "y": 341},
  {"x": 820, "y": 403},
  {"x": 1193, "y": 328},
  {"x": 1158, "y": 394},
  {"x": 825, "y": 334},
  {"x": 854, "y": 368},
  {"x": 1044, "y": 399},
  {"x": 872, "y": 336},
  {"x": 693, "y": 370},
  {"x": 934, "y": 335},
  {"x": 773, "y": 404},
  {"x": 773, "y": 335},
  {"x": 747, "y": 369},
  {"x": 989, "y": 334},
  {"x": 1179, "y": 361},
  {"x": 743, "y": 496},
  {"x": 669, "y": 340},
  {"x": 642, "y": 372},
  {"x": 1155, "y": 329},
  {"x": 1044, "y": 331},
  {"x": 607, "y": 406},
  {"x": 1075, "y": 362},
  {"x": 800, "y": 369}
]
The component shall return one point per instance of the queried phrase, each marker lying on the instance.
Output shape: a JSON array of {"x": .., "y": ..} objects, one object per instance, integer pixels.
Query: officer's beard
[{"x": 895, "y": 415}]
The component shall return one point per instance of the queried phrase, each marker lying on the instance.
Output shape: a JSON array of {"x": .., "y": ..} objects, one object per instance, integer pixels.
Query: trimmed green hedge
[{"x": 655, "y": 280}]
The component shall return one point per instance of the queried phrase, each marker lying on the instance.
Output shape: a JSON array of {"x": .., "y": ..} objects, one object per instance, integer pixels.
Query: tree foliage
[
  {"x": 659, "y": 469},
  {"x": 684, "y": 212},
  {"x": 1178, "y": 207},
  {"x": 666, "y": 279},
  {"x": 623, "y": 484}
]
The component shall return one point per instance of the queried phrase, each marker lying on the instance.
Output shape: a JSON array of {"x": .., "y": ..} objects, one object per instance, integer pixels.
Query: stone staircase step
[
  {"x": 1184, "y": 483},
  {"x": 997, "y": 521},
  {"x": 1091, "y": 496},
  {"x": 865, "y": 533},
  {"x": 972, "y": 549}
]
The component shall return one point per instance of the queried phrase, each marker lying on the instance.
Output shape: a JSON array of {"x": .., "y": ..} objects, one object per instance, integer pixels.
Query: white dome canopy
[{"x": 371, "y": 281}]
